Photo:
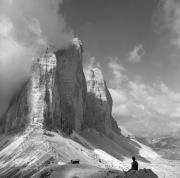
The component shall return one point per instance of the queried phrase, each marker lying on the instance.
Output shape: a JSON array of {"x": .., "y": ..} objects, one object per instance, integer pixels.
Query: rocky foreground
[{"x": 58, "y": 115}]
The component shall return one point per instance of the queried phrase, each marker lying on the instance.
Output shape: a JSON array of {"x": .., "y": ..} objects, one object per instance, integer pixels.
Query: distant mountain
[{"x": 168, "y": 147}]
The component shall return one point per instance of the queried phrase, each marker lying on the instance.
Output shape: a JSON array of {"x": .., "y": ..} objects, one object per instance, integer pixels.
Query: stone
[{"x": 98, "y": 113}]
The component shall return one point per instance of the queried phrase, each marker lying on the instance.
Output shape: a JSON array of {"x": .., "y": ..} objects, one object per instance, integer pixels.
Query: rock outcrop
[
  {"x": 66, "y": 95},
  {"x": 142, "y": 173},
  {"x": 99, "y": 104},
  {"x": 54, "y": 97}
]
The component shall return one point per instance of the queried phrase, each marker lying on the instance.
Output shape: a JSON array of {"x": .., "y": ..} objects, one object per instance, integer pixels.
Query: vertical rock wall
[
  {"x": 53, "y": 97},
  {"x": 99, "y": 104},
  {"x": 69, "y": 91}
]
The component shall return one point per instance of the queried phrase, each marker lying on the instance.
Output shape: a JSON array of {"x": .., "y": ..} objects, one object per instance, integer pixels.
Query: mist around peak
[{"x": 25, "y": 31}]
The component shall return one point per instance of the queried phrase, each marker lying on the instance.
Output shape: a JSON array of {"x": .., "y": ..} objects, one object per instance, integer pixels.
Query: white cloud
[
  {"x": 118, "y": 96},
  {"x": 117, "y": 71},
  {"x": 168, "y": 17},
  {"x": 25, "y": 30},
  {"x": 145, "y": 109},
  {"x": 89, "y": 64},
  {"x": 136, "y": 54}
]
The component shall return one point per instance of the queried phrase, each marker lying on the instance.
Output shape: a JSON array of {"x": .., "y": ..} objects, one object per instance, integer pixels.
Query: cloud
[
  {"x": 145, "y": 109},
  {"x": 26, "y": 27},
  {"x": 119, "y": 96},
  {"x": 117, "y": 71},
  {"x": 167, "y": 17},
  {"x": 90, "y": 63},
  {"x": 35, "y": 18},
  {"x": 136, "y": 54}
]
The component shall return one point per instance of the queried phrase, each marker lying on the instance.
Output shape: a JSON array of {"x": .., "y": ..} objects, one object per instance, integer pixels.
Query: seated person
[{"x": 134, "y": 164}]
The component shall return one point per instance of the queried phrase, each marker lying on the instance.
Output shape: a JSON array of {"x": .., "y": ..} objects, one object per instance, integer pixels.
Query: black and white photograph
[{"x": 89, "y": 88}]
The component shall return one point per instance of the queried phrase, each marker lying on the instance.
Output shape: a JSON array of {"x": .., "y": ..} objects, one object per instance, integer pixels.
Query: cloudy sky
[{"x": 136, "y": 44}]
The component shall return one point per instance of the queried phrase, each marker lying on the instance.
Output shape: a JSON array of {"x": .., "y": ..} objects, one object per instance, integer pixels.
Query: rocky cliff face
[
  {"x": 99, "y": 104},
  {"x": 69, "y": 93},
  {"x": 54, "y": 97}
]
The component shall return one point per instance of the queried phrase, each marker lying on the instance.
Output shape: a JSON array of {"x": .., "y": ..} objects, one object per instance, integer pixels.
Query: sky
[{"x": 136, "y": 44}]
